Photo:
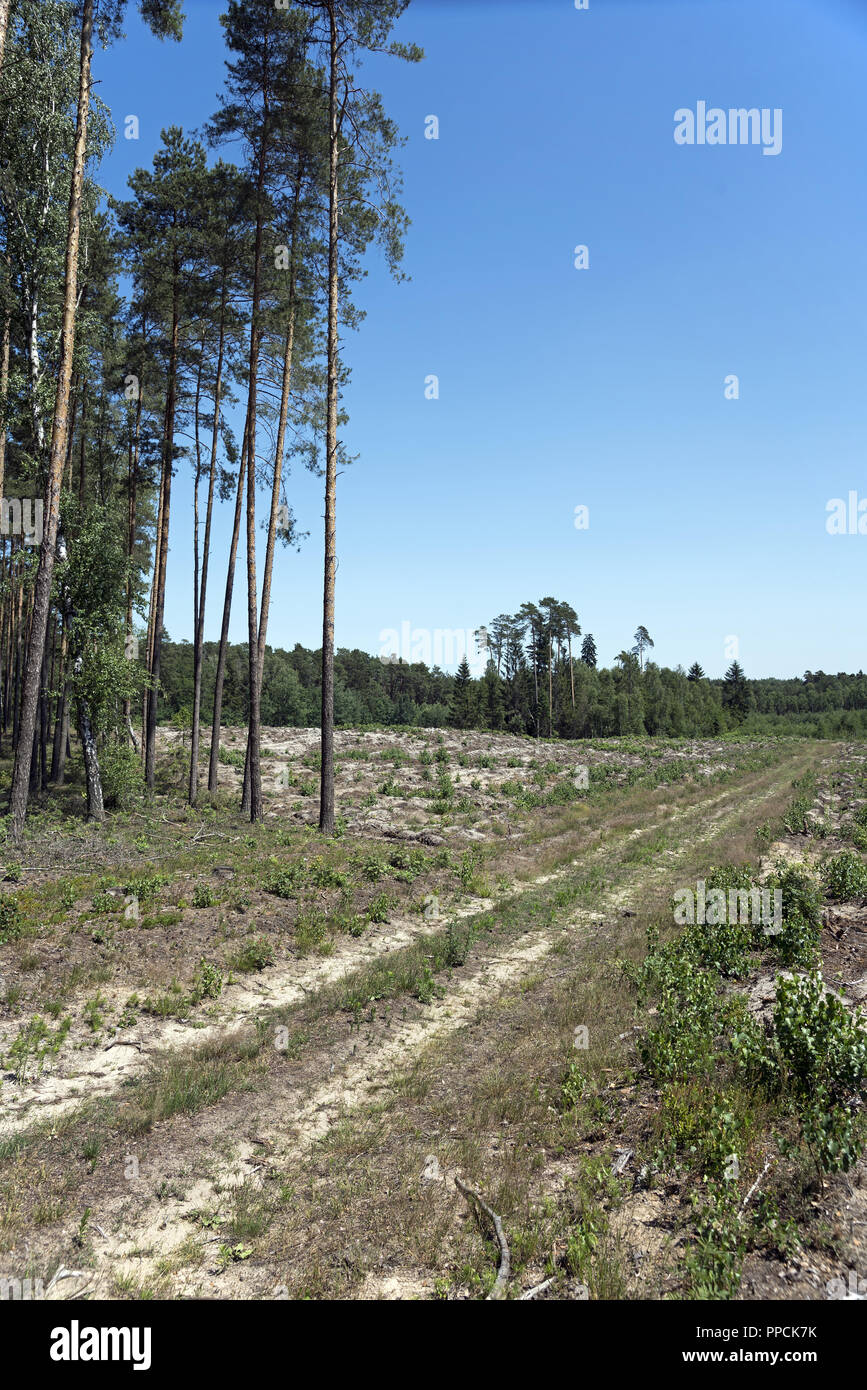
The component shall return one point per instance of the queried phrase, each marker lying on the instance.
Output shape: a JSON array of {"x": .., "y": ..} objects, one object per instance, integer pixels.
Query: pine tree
[
  {"x": 696, "y": 673},
  {"x": 361, "y": 139},
  {"x": 735, "y": 692},
  {"x": 462, "y": 703},
  {"x": 164, "y": 240},
  {"x": 588, "y": 650},
  {"x": 642, "y": 640},
  {"x": 491, "y": 697}
]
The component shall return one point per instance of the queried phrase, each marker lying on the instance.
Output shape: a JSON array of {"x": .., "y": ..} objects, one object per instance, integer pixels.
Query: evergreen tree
[
  {"x": 491, "y": 698},
  {"x": 360, "y": 172},
  {"x": 588, "y": 650},
  {"x": 642, "y": 640},
  {"x": 462, "y": 703},
  {"x": 735, "y": 692}
]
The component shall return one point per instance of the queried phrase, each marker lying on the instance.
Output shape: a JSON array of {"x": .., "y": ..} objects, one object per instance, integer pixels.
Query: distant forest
[{"x": 562, "y": 698}]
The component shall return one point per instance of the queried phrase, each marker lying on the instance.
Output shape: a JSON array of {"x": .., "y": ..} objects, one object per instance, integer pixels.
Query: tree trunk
[
  {"x": 272, "y": 520},
  {"x": 160, "y": 577},
  {"x": 4, "y": 22},
  {"x": 132, "y": 499},
  {"x": 4, "y": 386},
  {"x": 326, "y": 786},
  {"x": 214, "y": 762},
  {"x": 550, "y": 685},
  {"x": 45, "y": 571},
  {"x": 149, "y": 653},
  {"x": 251, "y": 799},
  {"x": 58, "y": 750},
  {"x": 95, "y": 808},
  {"x": 199, "y": 634}
]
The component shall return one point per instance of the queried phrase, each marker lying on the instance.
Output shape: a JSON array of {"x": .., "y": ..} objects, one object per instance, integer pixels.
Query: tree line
[{"x": 616, "y": 701}]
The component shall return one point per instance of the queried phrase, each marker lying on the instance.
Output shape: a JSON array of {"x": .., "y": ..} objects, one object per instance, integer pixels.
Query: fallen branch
[
  {"x": 770, "y": 1163},
  {"x": 504, "y": 1268},
  {"x": 539, "y": 1288}
]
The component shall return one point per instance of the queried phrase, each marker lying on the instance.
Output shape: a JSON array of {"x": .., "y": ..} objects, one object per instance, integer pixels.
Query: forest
[{"x": 129, "y": 329}]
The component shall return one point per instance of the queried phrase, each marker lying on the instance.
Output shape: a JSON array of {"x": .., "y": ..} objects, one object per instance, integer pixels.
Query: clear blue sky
[{"x": 602, "y": 387}]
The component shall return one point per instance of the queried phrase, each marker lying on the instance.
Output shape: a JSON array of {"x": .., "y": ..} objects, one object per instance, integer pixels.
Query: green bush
[
  {"x": 12, "y": 923},
  {"x": 378, "y": 909},
  {"x": 121, "y": 773},
  {"x": 845, "y": 876},
  {"x": 285, "y": 882},
  {"x": 255, "y": 954}
]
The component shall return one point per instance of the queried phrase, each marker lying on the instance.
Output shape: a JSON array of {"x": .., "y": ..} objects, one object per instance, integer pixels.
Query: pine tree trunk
[
  {"x": 277, "y": 479},
  {"x": 550, "y": 686},
  {"x": 4, "y": 386},
  {"x": 272, "y": 527},
  {"x": 132, "y": 499},
  {"x": 58, "y": 750},
  {"x": 45, "y": 571},
  {"x": 199, "y": 634},
  {"x": 149, "y": 653},
  {"x": 326, "y": 793},
  {"x": 251, "y": 799},
  {"x": 160, "y": 595},
  {"x": 214, "y": 762}
]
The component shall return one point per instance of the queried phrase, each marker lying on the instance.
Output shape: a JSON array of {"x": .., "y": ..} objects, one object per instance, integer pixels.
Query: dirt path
[
  {"x": 141, "y": 1236},
  {"x": 86, "y": 1070}
]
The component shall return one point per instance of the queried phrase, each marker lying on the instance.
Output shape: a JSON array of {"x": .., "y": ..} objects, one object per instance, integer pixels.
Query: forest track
[
  {"x": 146, "y": 1233},
  {"x": 99, "y": 1070}
]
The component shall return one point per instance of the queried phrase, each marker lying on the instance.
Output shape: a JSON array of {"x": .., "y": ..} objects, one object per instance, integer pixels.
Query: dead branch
[
  {"x": 539, "y": 1288},
  {"x": 770, "y": 1163},
  {"x": 504, "y": 1268}
]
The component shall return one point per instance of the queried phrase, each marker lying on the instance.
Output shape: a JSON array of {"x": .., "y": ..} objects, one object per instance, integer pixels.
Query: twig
[
  {"x": 504, "y": 1268},
  {"x": 770, "y": 1163},
  {"x": 539, "y": 1288}
]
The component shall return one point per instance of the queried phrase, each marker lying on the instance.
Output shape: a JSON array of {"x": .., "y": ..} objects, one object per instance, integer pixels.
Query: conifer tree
[{"x": 360, "y": 171}]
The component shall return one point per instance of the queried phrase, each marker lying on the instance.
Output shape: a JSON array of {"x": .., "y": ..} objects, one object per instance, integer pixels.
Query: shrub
[
  {"x": 121, "y": 773},
  {"x": 377, "y": 910},
  {"x": 325, "y": 875},
  {"x": 845, "y": 876},
  {"x": 823, "y": 1051},
  {"x": 285, "y": 882},
  {"x": 255, "y": 954},
  {"x": 12, "y": 923}
]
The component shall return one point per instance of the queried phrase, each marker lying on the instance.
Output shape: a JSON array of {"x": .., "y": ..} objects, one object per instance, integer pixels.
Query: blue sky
[{"x": 601, "y": 387}]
